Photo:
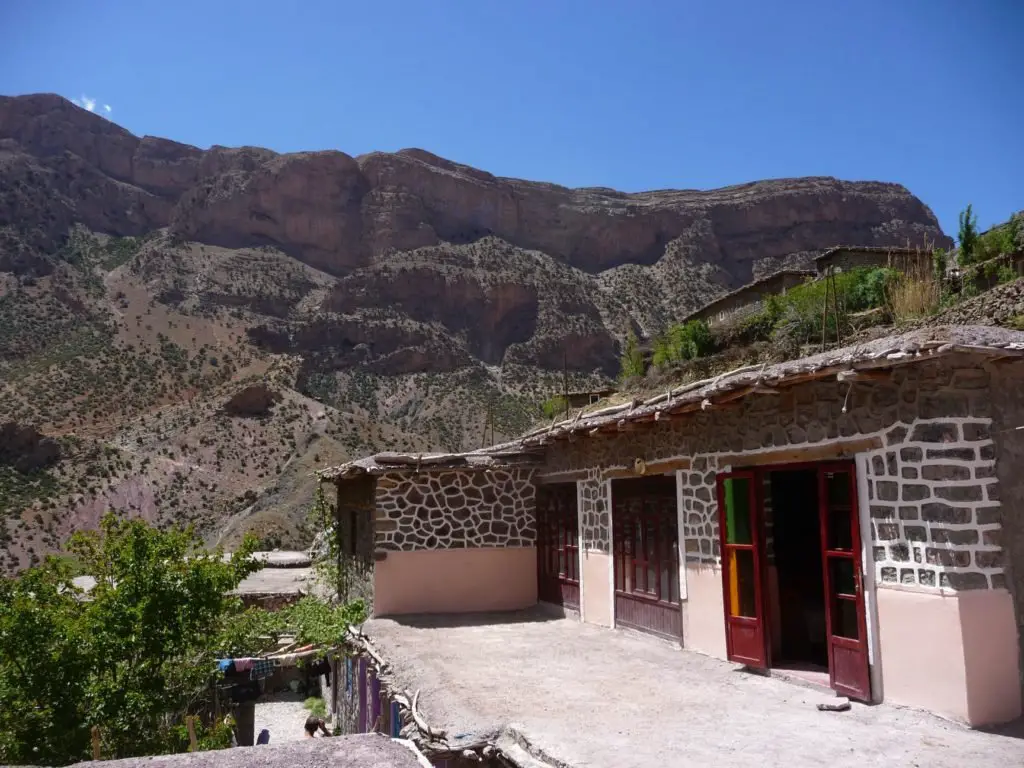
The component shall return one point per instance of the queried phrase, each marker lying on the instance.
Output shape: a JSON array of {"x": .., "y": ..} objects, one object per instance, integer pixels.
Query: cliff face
[
  {"x": 189, "y": 333},
  {"x": 646, "y": 257}
]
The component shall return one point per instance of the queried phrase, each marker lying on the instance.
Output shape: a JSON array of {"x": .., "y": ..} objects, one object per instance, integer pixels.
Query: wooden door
[
  {"x": 846, "y": 620},
  {"x": 645, "y": 550},
  {"x": 558, "y": 552},
  {"x": 742, "y": 568}
]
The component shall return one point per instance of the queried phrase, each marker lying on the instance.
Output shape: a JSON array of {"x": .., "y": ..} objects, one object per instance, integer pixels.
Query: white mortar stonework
[
  {"x": 932, "y": 486},
  {"x": 934, "y": 502},
  {"x": 700, "y": 506},
  {"x": 595, "y": 513},
  {"x": 455, "y": 509}
]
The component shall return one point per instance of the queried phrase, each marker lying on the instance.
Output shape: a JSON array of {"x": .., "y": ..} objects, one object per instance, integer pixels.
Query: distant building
[
  {"x": 584, "y": 398},
  {"x": 747, "y": 300},
  {"x": 846, "y": 257}
]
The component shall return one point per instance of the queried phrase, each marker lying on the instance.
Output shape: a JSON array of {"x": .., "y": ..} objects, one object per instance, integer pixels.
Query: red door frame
[
  {"x": 558, "y": 551},
  {"x": 849, "y": 665},
  {"x": 746, "y": 637}
]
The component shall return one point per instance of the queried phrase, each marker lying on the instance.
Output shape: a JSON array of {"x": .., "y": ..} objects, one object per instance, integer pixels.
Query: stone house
[
  {"x": 583, "y": 398},
  {"x": 743, "y": 302},
  {"x": 852, "y": 518},
  {"x": 847, "y": 257}
]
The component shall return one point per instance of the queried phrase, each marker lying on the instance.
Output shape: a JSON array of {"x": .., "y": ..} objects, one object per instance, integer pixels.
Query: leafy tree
[
  {"x": 631, "y": 363},
  {"x": 968, "y": 235},
  {"x": 130, "y": 657}
]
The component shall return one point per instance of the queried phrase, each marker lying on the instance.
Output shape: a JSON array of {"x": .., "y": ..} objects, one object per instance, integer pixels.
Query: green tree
[
  {"x": 968, "y": 235},
  {"x": 631, "y": 363},
  {"x": 131, "y": 657}
]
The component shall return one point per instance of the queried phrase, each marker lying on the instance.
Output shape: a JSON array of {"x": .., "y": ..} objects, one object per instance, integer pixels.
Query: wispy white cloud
[{"x": 89, "y": 104}]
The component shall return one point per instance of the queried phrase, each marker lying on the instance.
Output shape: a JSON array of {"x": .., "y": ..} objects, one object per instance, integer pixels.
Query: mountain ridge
[{"x": 385, "y": 301}]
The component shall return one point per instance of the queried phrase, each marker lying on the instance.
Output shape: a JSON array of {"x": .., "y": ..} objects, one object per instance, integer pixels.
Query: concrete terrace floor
[{"x": 585, "y": 696}]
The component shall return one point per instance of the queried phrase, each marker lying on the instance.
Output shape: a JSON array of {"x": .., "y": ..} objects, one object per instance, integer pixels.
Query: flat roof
[
  {"x": 580, "y": 695},
  {"x": 901, "y": 250},
  {"x": 361, "y": 751},
  {"x": 277, "y": 581}
]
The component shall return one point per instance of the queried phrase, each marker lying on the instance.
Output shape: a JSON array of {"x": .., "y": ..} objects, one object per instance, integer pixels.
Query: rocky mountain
[{"x": 397, "y": 300}]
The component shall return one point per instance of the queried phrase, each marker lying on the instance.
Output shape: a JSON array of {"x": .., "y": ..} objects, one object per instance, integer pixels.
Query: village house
[
  {"x": 744, "y": 302},
  {"x": 851, "y": 519},
  {"x": 846, "y": 257},
  {"x": 584, "y": 397},
  {"x": 749, "y": 299}
]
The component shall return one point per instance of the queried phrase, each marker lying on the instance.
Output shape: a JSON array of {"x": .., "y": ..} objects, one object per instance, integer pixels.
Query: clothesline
[{"x": 260, "y": 667}]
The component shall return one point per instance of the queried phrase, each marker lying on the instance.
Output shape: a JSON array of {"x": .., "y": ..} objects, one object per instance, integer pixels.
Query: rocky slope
[{"x": 395, "y": 300}]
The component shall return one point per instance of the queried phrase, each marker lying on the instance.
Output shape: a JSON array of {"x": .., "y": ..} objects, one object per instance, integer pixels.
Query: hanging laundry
[
  {"x": 243, "y": 665},
  {"x": 261, "y": 668},
  {"x": 227, "y": 666}
]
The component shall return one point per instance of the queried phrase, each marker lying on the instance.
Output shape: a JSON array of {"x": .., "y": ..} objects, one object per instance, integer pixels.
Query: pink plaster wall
[
  {"x": 955, "y": 655},
  {"x": 991, "y": 656},
  {"x": 922, "y": 652},
  {"x": 597, "y": 597},
  {"x": 455, "y": 580},
  {"x": 704, "y": 611}
]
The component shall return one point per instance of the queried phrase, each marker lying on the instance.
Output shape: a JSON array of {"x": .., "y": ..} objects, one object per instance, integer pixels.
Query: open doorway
[
  {"x": 791, "y": 573},
  {"x": 801, "y": 636}
]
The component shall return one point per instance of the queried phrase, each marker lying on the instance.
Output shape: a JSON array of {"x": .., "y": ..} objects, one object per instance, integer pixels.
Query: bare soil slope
[{"x": 185, "y": 334}]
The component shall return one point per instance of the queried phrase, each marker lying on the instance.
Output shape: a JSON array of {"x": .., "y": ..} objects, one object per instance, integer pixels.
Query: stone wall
[
  {"x": 933, "y": 490},
  {"x": 700, "y": 510},
  {"x": 745, "y": 301},
  {"x": 595, "y": 514},
  {"x": 934, "y": 502},
  {"x": 846, "y": 259},
  {"x": 455, "y": 509}
]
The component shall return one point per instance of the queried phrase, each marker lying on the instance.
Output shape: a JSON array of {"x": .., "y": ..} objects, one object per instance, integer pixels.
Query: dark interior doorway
[{"x": 796, "y": 532}]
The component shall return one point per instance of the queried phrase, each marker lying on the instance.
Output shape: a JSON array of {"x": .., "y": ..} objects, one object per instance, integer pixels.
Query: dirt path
[
  {"x": 283, "y": 715},
  {"x": 587, "y": 696}
]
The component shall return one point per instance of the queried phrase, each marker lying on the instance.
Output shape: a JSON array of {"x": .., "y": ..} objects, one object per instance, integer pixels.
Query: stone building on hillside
[
  {"x": 852, "y": 517},
  {"x": 747, "y": 300},
  {"x": 846, "y": 257},
  {"x": 744, "y": 302}
]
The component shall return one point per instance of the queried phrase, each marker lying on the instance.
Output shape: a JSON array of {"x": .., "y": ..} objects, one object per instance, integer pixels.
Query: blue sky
[{"x": 633, "y": 95}]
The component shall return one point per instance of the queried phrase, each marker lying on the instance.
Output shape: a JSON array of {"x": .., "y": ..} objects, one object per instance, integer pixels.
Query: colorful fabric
[
  {"x": 243, "y": 665},
  {"x": 227, "y": 666},
  {"x": 261, "y": 668}
]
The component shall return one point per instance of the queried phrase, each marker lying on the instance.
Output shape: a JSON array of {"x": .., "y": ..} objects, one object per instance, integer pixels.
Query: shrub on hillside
[
  {"x": 998, "y": 241},
  {"x": 553, "y": 406},
  {"x": 686, "y": 341},
  {"x": 631, "y": 362},
  {"x": 798, "y": 316},
  {"x": 914, "y": 296}
]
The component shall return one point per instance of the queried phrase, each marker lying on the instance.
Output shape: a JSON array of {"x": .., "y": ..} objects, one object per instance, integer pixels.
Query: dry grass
[{"x": 915, "y": 294}]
